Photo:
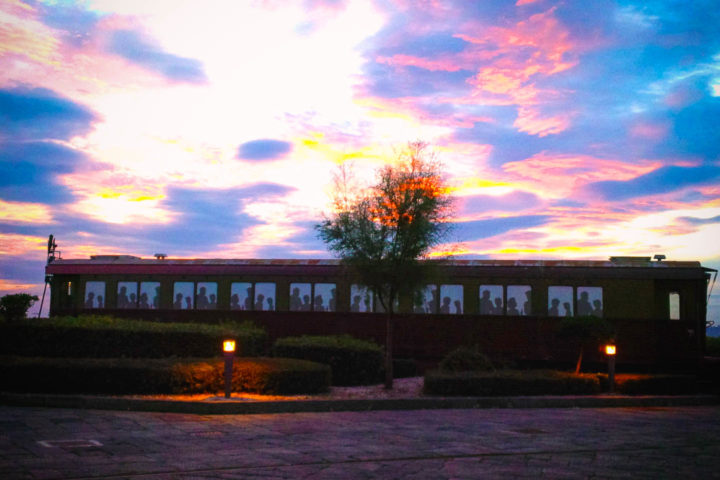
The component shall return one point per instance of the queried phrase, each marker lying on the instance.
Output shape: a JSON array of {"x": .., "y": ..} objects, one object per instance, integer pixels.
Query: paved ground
[{"x": 656, "y": 442}]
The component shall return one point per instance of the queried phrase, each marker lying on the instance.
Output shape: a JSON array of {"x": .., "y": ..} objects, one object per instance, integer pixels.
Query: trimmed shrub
[
  {"x": 404, "y": 368},
  {"x": 657, "y": 384},
  {"x": 510, "y": 382},
  {"x": 107, "y": 337},
  {"x": 124, "y": 376},
  {"x": 352, "y": 361},
  {"x": 712, "y": 346},
  {"x": 465, "y": 359}
]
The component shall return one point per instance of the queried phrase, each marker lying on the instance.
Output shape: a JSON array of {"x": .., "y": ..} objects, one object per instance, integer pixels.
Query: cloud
[
  {"x": 264, "y": 149},
  {"x": 39, "y": 113},
  {"x": 699, "y": 221},
  {"x": 512, "y": 202},
  {"x": 132, "y": 46},
  {"x": 77, "y": 24},
  {"x": 478, "y": 229},
  {"x": 30, "y": 171},
  {"x": 660, "y": 181}
]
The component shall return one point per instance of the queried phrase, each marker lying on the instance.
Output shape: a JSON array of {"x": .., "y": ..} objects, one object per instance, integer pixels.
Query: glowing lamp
[
  {"x": 609, "y": 349},
  {"x": 229, "y": 346}
]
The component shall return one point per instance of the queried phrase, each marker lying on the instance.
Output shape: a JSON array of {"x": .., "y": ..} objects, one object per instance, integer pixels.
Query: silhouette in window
[
  {"x": 89, "y": 302},
  {"x": 188, "y": 303},
  {"x": 445, "y": 308},
  {"x": 202, "y": 300},
  {"x": 269, "y": 301},
  {"x": 512, "y": 307},
  {"x": 486, "y": 306},
  {"x": 458, "y": 307},
  {"x": 554, "y": 305},
  {"x": 355, "y": 307},
  {"x": 527, "y": 306},
  {"x": 597, "y": 308},
  {"x": 144, "y": 301},
  {"x": 367, "y": 302},
  {"x": 234, "y": 302},
  {"x": 133, "y": 301},
  {"x": 295, "y": 302},
  {"x": 318, "y": 307},
  {"x": 583, "y": 305},
  {"x": 498, "y": 308},
  {"x": 178, "y": 301},
  {"x": 156, "y": 298},
  {"x": 122, "y": 300},
  {"x": 568, "y": 310},
  {"x": 100, "y": 301},
  {"x": 259, "y": 302},
  {"x": 248, "y": 299},
  {"x": 306, "y": 303},
  {"x": 331, "y": 302},
  {"x": 213, "y": 302}
]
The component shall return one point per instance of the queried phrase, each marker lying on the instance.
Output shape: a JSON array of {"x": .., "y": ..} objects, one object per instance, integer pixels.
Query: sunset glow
[{"x": 566, "y": 129}]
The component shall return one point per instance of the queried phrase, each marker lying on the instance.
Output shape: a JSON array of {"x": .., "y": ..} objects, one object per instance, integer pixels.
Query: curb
[{"x": 231, "y": 407}]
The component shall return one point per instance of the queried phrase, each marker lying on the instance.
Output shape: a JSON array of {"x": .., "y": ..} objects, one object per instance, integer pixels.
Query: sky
[{"x": 567, "y": 130}]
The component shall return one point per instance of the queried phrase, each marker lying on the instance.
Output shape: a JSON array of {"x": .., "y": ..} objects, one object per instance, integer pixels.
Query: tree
[
  {"x": 585, "y": 331},
  {"x": 383, "y": 232},
  {"x": 15, "y": 306}
]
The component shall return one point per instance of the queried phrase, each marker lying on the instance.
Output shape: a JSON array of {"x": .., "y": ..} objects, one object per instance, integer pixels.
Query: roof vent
[
  {"x": 659, "y": 257},
  {"x": 629, "y": 259},
  {"x": 160, "y": 256}
]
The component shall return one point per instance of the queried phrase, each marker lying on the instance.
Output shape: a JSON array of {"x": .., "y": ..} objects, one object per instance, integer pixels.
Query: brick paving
[{"x": 655, "y": 442}]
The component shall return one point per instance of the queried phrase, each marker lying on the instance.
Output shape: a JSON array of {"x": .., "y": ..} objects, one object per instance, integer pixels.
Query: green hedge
[
  {"x": 352, "y": 361},
  {"x": 108, "y": 337},
  {"x": 510, "y": 382},
  {"x": 122, "y": 376},
  {"x": 465, "y": 359}
]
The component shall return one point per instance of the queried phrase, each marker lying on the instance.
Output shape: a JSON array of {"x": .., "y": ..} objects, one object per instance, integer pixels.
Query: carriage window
[
  {"x": 361, "y": 299},
  {"x": 590, "y": 301},
  {"x": 426, "y": 300},
  {"x": 183, "y": 295},
  {"x": 69, "y": 288},
  {"x": 127, "y": 295},
  {"x": 206, "y": 296},
  {"x": 300, "y": 295},
  {"x": 265, "y": 296},
  {"x": 519, "y": 300},
  {"x": 149, "y": 295},
  {"x": 324, "y": 297},
  {"x": 94, "y": 294},
  {"x": 491, "y": 300},
  {"x": 241, "y": 296},
  {"x": 451, "y": 299},
  {"x": 674, "y": 305},
  {"x": 560, "y": 301}
]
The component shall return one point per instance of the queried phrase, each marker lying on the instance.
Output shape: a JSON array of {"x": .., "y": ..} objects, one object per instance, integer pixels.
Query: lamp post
[
  {"x": 610, "y": 351},
  {"x": 229, "y": 352}
]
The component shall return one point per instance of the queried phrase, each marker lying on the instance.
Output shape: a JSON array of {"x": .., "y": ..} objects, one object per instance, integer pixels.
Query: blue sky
[{"x": 567, "y": 129}]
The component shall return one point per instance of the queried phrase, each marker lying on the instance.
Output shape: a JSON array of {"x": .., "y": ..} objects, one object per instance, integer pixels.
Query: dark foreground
[{"x": 654, "y": 442}]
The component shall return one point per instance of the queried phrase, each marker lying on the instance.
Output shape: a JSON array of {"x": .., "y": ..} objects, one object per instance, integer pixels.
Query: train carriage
[{"x": 510, "y": 309}]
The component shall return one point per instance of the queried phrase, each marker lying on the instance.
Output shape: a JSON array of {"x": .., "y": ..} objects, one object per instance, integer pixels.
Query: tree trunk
[
  {"x": 579, "y": 361},
  {"x": 388, "y": 352}
]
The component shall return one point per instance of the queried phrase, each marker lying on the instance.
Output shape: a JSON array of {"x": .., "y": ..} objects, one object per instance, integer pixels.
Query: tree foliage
[
  {"x": 14, "y": 307},
  {"x": 383, "y": 231}
]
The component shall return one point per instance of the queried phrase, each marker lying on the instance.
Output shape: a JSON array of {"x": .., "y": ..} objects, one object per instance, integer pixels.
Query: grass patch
[
  {"x": 101, "y": 336},
  {"x": 124, "y": 376}
]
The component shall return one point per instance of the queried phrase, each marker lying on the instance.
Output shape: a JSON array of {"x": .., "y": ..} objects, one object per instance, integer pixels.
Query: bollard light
[
  {"x": 229, "y": 350},
  {"x": 229, "y": 346},
  {"x": 610, "y": 351}
]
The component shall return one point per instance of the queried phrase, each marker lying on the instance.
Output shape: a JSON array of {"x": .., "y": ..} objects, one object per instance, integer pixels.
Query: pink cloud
[
  {"x": 530, "y": 120},
  {"x": 649, "y": 131},
  {"x": 560, "y": 174}
]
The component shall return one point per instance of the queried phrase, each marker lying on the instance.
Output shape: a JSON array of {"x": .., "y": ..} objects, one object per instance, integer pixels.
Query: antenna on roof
[
  {"x": 51, "y": 250},
  {"x": 659, "y": 257},
  {"x": 160, "y": 256}
]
